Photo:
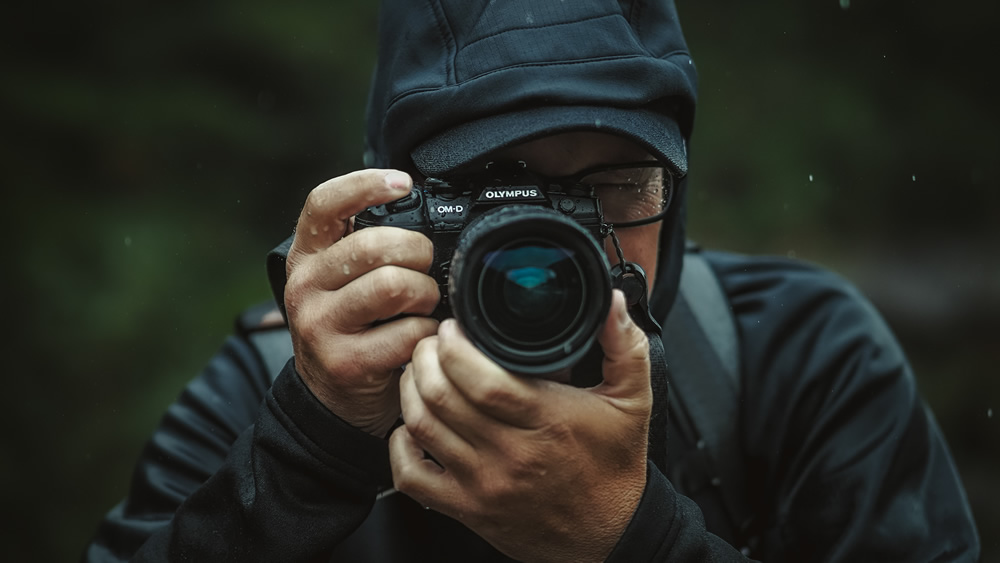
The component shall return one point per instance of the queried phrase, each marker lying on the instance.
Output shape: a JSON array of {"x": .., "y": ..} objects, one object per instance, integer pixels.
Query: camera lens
[
  {"x": 531, "y": 293},
  {"x": 530, "y": 287}
]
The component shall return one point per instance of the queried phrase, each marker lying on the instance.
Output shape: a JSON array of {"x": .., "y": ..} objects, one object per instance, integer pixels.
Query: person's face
[{"x": 567, "y": 153}]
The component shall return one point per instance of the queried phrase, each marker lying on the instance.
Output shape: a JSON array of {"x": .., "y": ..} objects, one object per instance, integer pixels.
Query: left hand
[{"x": 541, "y": 470}]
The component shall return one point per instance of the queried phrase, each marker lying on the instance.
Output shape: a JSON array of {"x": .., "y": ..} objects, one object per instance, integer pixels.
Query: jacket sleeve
[
  {"x": 845, "y": 462},
  {"x": 240, "y": 470},
  {"x": 668, "y": 526}
]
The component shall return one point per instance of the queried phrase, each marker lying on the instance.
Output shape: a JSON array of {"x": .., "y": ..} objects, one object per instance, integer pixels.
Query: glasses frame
[{"x": 575, "y": 181}]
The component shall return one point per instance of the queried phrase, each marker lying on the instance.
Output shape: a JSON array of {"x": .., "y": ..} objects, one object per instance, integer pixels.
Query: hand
[
  {"x": 341, "y": 282},
  {"x": 541, "y": 470}
]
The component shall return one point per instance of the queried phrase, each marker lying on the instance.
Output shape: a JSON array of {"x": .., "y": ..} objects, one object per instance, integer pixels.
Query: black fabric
[
  {"x": 457, "y": 79},
  {"x": 844, "y": 462},
  {"x": 657, "y": 445},
  {"x": 276, "y": 260},
  {"x": 679, "y": 533},
  {"x": 699, "y": 338}
]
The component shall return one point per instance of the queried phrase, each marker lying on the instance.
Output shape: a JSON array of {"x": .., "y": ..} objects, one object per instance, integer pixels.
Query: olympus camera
[{"x": 518, "y": 263}]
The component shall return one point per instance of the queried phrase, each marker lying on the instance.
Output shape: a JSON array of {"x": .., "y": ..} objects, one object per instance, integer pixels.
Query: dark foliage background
[{"x": 152, "y": 153}]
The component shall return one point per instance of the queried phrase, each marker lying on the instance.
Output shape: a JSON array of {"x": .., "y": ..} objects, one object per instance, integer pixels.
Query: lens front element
[{"x": 531, "y": 293}]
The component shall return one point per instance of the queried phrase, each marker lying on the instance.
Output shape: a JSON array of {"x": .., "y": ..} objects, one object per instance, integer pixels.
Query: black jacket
[{"x": 844, "y": 462}]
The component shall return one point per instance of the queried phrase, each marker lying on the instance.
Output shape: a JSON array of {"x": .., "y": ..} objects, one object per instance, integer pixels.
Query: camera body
[
  {"x": 442, "y": 210},
  {"x": 519, "y": 263}
]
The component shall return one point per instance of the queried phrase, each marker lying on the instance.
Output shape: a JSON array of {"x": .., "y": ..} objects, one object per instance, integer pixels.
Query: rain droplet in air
[{"x": 810, "y": 177}]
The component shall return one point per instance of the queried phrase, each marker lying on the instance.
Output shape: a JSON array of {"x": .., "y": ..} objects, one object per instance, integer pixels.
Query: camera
[{"x": 518, "y": 263}]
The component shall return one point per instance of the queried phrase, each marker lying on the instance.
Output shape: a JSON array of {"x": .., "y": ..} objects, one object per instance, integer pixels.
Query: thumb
[{"x": 626, "y": 350}]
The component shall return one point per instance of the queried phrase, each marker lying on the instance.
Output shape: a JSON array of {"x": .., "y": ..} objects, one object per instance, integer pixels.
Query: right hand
[{"x": 341, "y": 282}]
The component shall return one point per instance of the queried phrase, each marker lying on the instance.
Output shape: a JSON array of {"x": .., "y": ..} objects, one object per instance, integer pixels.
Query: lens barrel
[{"x": 530, "y": 287}]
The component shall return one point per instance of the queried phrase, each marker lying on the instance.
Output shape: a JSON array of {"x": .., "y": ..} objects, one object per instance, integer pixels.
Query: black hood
[{"x": 457, "y": 79}]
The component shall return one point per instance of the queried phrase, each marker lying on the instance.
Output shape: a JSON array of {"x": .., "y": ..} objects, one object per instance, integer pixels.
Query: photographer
[{"x": 391, "y": 435}]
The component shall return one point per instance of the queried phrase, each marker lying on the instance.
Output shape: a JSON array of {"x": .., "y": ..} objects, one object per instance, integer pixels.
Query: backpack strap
[
  {"x": 703, "y": 367},
  {"x": 264, "y": 327}
]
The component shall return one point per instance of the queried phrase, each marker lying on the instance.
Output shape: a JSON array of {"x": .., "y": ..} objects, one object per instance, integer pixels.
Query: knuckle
[
  {"x": 362, "y": 246},
  {"x": 495, "y": 490},
  {"x": 421, "y": 427},
  {"x": 523, "y": 467},
  {"x": 641, "y": 353},
  {"x": 388, "y": 284},
  {"x": 319, "y": 198},
  {"x": 558, "y": 432},
  {"x": 433, "y": 391},
  {"x": 393, "y": 245},
  {"x": 493, "y": 396},
  {"x": 421, "y": 249}
]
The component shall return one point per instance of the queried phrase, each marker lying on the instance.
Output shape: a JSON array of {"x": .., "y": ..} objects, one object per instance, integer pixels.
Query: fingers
[
  {"x": 439, "y": 397},
  {"x": 328, "y": 209},
  {"x": 507, "y": 398},
  {"x": 420, "y": 409},
  {"x": 363, "y": 363},
  {"x": 392, "y": 343},
  {"x": 420, "y": 478},
  {"x": 626, "y": 351},
  {"x": 364, "y": 251},
  {"x": 383, "y": 294}
]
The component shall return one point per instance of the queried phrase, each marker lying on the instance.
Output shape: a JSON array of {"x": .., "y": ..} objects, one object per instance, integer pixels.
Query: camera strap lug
[{"x": 631, "y": 279}]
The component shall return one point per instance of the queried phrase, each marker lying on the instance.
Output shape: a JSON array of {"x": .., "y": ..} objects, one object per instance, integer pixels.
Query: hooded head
[{"x": 459, "y": 79}]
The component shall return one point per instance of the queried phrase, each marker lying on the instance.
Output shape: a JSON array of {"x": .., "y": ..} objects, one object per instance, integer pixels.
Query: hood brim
[{"x": 472, "y": 141}]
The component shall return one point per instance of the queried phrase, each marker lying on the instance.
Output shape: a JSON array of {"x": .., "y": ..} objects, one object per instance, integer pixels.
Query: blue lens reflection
[{"x": 531, "y": 293}]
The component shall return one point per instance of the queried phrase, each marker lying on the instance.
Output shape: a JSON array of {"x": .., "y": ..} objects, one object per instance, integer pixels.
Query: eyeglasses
[{"x": 631, "y": 194}]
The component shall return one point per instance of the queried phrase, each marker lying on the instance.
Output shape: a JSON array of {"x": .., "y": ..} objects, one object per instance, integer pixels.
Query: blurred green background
[{"x": 152, "y": 153}]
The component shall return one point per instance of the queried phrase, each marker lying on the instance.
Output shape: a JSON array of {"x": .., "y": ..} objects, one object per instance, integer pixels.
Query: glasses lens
[{"x": 631, "y": 194}]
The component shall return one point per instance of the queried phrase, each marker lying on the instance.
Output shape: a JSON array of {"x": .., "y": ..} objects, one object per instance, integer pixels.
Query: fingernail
[
  {"x": 623, "y": 319},
  {"x": 398, "y": 181},
  {"x": 446, "y": 327}
]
